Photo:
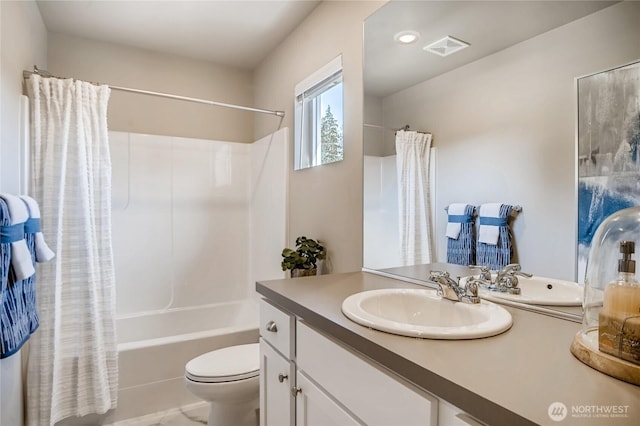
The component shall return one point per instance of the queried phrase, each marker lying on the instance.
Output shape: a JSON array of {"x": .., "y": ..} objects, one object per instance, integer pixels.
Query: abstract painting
[{"x": 608, "y": 150}]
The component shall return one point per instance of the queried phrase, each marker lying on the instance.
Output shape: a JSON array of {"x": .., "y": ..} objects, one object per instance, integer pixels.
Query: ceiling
[
  {"x": 241, "y": 33},
  {"x": 489, "y": 26},
  {"x": 235, "y": 33}
]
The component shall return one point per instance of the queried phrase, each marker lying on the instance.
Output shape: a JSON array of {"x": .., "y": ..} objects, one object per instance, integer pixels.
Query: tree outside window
[{"x": 331, "y": 143}]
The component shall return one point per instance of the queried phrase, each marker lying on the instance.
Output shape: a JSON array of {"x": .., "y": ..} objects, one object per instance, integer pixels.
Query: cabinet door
[
  {"x": 371, "y": 393},
  {"x": 450, "y": 415},
  {"x": 314, "y": 408},
  {"x": 276, "y": 401}
]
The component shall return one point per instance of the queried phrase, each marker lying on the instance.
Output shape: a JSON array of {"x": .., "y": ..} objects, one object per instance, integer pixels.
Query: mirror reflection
[{"x": 499, "y": 117}]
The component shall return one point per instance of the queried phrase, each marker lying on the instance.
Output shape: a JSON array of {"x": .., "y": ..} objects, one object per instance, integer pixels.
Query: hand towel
[
  {"x": 454, "y": 224},
  {"x": 20, "y": 255},
  {"x": 43, "y": 252},
  {"x": 490, "y": 222},
  {"x": 461, "y": 250},
  {"x": 15, "y": 326}
]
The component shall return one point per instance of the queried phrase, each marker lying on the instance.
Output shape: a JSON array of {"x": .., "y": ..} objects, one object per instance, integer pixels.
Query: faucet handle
[
  {"x": 515, "y": 269},
  {"x": 471, "y": 289},
  {"x": 485, "y": 273},
  {"x": 511, "y": 268},
  {"x": 438, "y": 276}
]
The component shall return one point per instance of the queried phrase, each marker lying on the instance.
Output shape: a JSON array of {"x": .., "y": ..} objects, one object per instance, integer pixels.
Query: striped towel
[
  {"x": 494, "y": 247},
  {"x": 15, "y": 324},
  {"x": 461, "y": 248},
  {"x": 21, "y": 261}
]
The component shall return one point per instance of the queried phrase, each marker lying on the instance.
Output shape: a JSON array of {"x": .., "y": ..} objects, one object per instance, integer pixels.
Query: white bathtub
[{"x": 154, "y": 348}]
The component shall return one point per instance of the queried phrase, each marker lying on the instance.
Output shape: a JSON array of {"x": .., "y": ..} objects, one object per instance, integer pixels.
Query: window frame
[{"x": 308, "y": 114}]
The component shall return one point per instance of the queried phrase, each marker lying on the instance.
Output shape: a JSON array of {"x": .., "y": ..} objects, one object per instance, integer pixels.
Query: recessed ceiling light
[
  {"x": 407, "y": 37},
  {"x": 446, "y": 46}
]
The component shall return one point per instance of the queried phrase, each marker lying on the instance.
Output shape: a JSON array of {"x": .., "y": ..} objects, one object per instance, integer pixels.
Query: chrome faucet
[
  {"x": 450, "y": 289},
  {"x": 506, "y": 280}
]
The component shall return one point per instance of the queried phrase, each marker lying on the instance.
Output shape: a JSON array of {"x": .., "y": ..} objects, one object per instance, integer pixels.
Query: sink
[
  {"x": 538, "y": 291},
  {"x": 422, "y": 313}
]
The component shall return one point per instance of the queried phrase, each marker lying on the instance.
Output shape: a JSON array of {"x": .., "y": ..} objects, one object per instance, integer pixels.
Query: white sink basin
[
  {"x": 538, "y": 291},
  {"x": 422, "y": 313}
]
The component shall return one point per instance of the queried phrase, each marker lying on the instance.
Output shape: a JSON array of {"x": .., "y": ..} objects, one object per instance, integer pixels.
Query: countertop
[{"x": 508, "y": 379}]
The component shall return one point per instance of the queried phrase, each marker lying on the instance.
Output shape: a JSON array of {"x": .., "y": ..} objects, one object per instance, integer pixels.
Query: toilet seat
[{"x": 225, "y": 365}]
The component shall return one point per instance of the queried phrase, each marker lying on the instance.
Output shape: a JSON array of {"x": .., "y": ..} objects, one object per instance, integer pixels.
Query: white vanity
[
  {"x": 332, "y": 384},
  {"x": 320, "y": 368}
]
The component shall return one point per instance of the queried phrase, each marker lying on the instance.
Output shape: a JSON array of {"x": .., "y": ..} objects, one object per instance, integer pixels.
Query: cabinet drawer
[
  {"x": 277, "y": 328},
  {"x": 371, "y": 393}
]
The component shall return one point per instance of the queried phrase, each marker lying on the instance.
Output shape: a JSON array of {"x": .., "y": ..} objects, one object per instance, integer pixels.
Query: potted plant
[{"x": 302, "y": 260}]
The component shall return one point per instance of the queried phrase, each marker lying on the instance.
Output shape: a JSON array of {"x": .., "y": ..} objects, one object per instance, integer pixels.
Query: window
[{"x": 319, "y": 118}]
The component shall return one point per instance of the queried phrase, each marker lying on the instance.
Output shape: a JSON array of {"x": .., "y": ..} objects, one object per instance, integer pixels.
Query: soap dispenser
[
  {"x": 618, "y": 333},
  {"x": 609, "y": 340}
]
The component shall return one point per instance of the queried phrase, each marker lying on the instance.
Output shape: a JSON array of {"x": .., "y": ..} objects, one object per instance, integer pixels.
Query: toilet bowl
[{"x": 229, "y": 379}]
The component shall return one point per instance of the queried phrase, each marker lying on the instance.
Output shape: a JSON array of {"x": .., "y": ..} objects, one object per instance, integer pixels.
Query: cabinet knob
[
  {"x": 282, "y": 377},
  {"x": 272, "y": 327},
  {"x": 295, "y": 391}
]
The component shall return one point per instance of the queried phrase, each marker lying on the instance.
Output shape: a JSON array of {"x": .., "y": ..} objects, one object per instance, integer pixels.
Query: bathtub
[{"x": 154, "y": 348}]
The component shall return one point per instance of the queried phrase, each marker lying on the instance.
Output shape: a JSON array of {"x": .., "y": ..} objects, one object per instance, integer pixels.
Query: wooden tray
[{"x": 585, "y": 348}]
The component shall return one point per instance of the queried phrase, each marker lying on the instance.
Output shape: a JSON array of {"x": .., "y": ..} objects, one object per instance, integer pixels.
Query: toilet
[{"x": 229, "y": 379}]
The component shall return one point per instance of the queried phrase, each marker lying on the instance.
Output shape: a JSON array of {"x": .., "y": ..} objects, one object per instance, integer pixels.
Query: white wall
[
  {"x": 324, "y": 202},
  {"x": 505, "y": 130},
  {"x": 374, "y": 137},
  {"x": 144, "y": 69},
  {"x": 23, "y": 43},
  {"x": 23, "y": 39}
]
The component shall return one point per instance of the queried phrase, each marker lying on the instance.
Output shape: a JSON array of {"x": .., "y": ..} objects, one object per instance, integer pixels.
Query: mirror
[{"x": 502, "y": 114}]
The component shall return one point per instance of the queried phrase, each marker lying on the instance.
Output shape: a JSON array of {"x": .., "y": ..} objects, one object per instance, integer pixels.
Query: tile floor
[{"x": 190, "y": 415}]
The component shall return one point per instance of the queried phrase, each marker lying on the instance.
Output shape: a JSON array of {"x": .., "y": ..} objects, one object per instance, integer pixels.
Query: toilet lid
[{"x": 225, "y": 365}]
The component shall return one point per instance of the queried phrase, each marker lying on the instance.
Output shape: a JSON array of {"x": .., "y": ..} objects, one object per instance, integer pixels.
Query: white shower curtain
[
  {"x": 72, "y": 365},
  {"x": 412, "y": 160}
]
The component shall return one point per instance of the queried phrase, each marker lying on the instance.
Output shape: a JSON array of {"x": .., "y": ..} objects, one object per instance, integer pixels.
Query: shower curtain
[
  {"x": 412, "y": 160},
  {"x": 72, "y": 364}
]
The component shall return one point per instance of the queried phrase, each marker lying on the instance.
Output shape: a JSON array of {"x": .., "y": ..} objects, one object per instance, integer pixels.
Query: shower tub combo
[{"x": 182, "y": 210}]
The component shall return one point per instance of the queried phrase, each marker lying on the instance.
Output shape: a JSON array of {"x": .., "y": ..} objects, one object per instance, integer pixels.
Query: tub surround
[{"x": 511, "y": 378}]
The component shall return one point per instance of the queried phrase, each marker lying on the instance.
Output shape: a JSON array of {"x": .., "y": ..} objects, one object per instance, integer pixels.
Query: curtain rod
[
  {"x": 376, "y": 126},
  {"x": 46, "y": 74},
  {"x": 406, "y": 128}
]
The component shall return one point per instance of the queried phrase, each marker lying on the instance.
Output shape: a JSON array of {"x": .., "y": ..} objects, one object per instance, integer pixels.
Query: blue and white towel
[
  {"x": 15, "y": 324},
  {"x": 460, "y": 240},
  {"x": 494, "y": 248},
  {"x": 21, "y": 261},
  {"x": 18, "y": 308}
]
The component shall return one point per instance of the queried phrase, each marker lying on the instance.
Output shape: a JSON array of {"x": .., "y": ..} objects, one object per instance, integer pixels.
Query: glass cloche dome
[{"x": 610, "y": 337}]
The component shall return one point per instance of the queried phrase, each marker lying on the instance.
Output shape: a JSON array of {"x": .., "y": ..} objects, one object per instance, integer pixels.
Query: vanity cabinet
[
  {"x": 287, "y": 395},
  {"x": 310, "y": 379},
  {"x": 277, "y": 369}
]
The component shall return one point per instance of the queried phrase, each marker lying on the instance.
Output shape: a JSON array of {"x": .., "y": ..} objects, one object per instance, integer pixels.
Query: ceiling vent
[{"x": 446, "y": 46}]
